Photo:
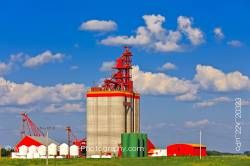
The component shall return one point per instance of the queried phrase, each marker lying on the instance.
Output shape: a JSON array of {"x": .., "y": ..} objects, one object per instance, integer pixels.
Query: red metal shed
[
  {"x": 34, "y": 140},
  {"x": 186, "y": 150}
]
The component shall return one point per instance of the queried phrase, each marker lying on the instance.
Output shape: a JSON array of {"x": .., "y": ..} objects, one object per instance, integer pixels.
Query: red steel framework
[
  {"x": 122, "y": 79},
  {"x": 29, "y": 127}
]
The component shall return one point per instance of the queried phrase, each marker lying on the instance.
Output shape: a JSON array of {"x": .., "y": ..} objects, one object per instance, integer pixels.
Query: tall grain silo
[{"x": 112, "y": 109}]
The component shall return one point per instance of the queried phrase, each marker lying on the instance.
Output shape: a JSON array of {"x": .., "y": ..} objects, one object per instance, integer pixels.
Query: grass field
[{"x": 174, "y": 161}]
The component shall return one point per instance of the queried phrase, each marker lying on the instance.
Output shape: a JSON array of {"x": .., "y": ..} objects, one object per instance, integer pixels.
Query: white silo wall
[
  {"x": 42, "y": 150},
  {"x": 52, "y": 149},
  {"x": 63, "y": 149},
  {"x": 23, "y": 150},
  {"x": 106, "y": 122},
  {"x": 74, "y": 150}
]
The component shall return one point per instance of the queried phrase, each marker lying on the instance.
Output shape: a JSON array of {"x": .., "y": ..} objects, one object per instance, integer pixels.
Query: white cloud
[
  {"x": 195, "y": 35},
  {"x": 162, "y": 84},
  {"x": 7, "y": 67},
  {"x": 4, "y": 68},
  {"x": 98, "y": 25},
  {"x": 28, "y": 94},
  {"x": 141, "y": 38},
  {"x": 194, "y": 124},
  {"x": 235, "y": 43},
  {"x": 107, "y": 66},
  {"x": 171, "y": 42},
  {"x": 68, "y": 107},
  {"x": 218, "y": 33},
  {"x": 211, "y": 78},
  {"x": 168, "y": 66},
  {"x": 154, "y": 36},
  {"x": 43, "y": 58},
  {"x": 212, "y": 102}
]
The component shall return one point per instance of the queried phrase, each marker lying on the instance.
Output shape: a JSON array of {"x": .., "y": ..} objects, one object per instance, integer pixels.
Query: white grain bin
[
  {"x": 63, "y": 149},
  {"x": 22, "y": 157},
  {"x": 36, "y": 155},
  {"x": 52, "y": 149},
  {"x": 74, "y": 150},
  {"x": 14, "y": 155},
  {"x": 43, "y": 157},
  {"x": 30, "y": 155},
  {"x": 42, "y": 150},
  {"x": 59, "y": 157},
  {"x": 23, "y": 150},
  {"x": 32, "y": 149}
]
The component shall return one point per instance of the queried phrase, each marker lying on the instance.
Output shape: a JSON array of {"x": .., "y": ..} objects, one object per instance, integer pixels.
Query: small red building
[
  {"x": 34, "y": 140},
  {"x": 186, "y": 150}
]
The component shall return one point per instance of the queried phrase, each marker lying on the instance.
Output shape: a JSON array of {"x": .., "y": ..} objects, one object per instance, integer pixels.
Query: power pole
[
  {"x": 200, "y": 144},
  {"x": 68, "y": 130},
  {"x": 47, "y": 141}
]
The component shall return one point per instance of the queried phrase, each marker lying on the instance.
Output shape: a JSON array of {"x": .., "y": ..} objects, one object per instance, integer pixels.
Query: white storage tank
[
  {"x": 23, "y": 150},
  {"x": 52, "y": 149},
  {"x": 42, "y": 150},
  {"x": 14, "y": 155},
  {"x": 30, "y": 155},
  {"x": 64, "y": 149},
  {"x": 74, "y": 150},
  {"x": 32, "y": 149},
  {"x": 36, "y": 155}
]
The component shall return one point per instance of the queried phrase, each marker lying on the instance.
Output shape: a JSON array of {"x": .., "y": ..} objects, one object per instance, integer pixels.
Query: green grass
[{"x": 171, "y": 161}]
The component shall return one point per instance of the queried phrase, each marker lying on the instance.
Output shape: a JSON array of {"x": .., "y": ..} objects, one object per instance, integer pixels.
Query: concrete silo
[{"x": 112, "y": 109}]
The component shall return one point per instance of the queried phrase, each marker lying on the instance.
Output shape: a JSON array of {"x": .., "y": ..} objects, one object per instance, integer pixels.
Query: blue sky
[{"x": 57, "y": 53}]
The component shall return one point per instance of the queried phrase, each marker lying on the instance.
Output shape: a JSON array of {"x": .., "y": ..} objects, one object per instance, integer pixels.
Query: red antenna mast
[
  {"x": 29, "y": 127},
  {"x": 122, "y": 78}
]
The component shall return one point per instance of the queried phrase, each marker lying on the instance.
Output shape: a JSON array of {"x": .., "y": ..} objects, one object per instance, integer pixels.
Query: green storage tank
[
  {"x": 145, "y": 138},
  {"x": 141, "y": 146},
  {"x": 134, "y": 144},
  {"x": 125, "y": 144}
]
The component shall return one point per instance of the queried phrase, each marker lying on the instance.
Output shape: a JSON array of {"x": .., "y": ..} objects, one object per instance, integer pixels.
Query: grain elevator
[{"x": 113, "y": 108}]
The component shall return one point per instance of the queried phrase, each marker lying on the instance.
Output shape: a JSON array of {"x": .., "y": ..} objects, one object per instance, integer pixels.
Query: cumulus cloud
[
  {"x": 28, "y": 94},
  {"x": 235, "y": 43},
  {"x": 212, "y": 102},
  {"x": 68, "y": 107},
  {"x": 195, "y": 35},
  {"x": 43, "y": 58},
  {"x": 162, "y": 84},
  {"x": 211, "y": 78},
  {"x": 98, "y": 25},
  {"x": 4, "y": 68},
  {"x": 168, "y": 66},
  {"x": 154, "y": 36},
  {"x": 107, "y": 66},
  {"x": 141, "y": 38},
  {"x": 194, "y": 124},
  {"x": 218, "y": 33}
]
